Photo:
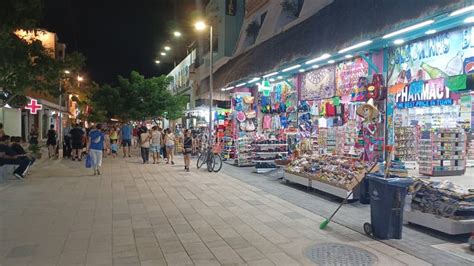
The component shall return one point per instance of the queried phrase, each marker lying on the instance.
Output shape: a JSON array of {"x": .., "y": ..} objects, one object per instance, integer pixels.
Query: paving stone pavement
[
  {"x": 418, "y": 241},
  {"x": 137, "y": 214}
]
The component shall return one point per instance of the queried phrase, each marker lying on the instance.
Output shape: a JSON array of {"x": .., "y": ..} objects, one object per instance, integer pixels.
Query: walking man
[
  {"x": 95, "y": 147},
  {"x": 126, "y": 139}
]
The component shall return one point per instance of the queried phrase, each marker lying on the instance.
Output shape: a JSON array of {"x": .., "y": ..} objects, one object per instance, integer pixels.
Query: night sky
[{"x": 118, "y": 36}]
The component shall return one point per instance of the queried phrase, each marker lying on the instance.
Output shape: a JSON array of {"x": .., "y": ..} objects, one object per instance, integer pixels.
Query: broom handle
[{"x": 350, "y": 193}]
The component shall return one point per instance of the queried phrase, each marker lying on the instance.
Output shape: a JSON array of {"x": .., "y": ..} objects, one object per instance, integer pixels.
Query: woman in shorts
[{"x": 169, "y": 142}]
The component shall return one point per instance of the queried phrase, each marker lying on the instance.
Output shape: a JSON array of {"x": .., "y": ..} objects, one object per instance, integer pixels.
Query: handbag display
[
  {"x": 251, "y": 114},
  {"x": 248, "y": 99}
]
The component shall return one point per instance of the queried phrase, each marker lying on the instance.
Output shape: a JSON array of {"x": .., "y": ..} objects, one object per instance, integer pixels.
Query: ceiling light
[
  {"x": 254, "y": 79},
  {"x": 290, "y": 68},
  {"x": 462, "y": 11},
  {"x": 272, "y": 80},
  {"x": 228, "y": 88},
  {"x": 469, "y": 19},
  {"x": 167, "y": 48},
  {"x": 428, "y": 32},
  {"x": 279, "y": 77},
  {"x": 315, "y": 66},
  {"x": 241, "y": 84},
  {"x": 331, "y": 61},
  {"x": 271, "y": 74},
  {"x": 301, "y": 70},
  {"x": 398, "y": 41},
  {"x": 348, "y": 56},
  {"x": 407, "y": 29},
  {"x": 322, "y": 57},
  {"x": 163, "y": 53},
  {"x": 361, "y": 44}
]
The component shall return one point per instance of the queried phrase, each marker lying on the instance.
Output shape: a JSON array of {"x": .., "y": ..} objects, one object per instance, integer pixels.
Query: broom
[{"x": 325, "y": 223}]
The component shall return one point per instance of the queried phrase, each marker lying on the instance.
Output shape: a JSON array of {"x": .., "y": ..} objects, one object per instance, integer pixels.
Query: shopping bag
[{"x": 88, "y": 161}]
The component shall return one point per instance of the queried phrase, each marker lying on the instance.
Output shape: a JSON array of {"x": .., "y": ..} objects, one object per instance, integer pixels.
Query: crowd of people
[{"x": 101, "y": 141}]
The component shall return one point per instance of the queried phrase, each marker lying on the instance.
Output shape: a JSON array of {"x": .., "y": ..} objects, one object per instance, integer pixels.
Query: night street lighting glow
[
  {"x": 331, "y": 61},
  {"x": 241, "y": 84},
  {"x": 290, "y": 68},
  {"x": 315, "y": 66},
  {"x": 163, "y": 53},
  {"x": 358, "y": 45},
  {"x": 254, "y": 79},
  {"x": 279, "y": 77},
  {"x": 228, "y": 88},
  {"x": 301, "y": 70},
  {"x": 462, "y": 11},
  {"x": 79, "y": 78},
  {"x": 157, "y": 61},
  {"x": 272, "y": 80},
  {"x": 428, "y": 32},
  {"x": 469, "y": 19},
  {"x": 407, "y": 29},
  {"x": 200, "y": 25},
  {"x": 67, "y": 72},
  {"x": 322, "y": 57},
  {"x": 348, "y": 56},
  {"x": 177, "y": 34},
  {"x": 398, "y": 41},
  {"x": 167, "y": 48},
  {"x": 271, "y": 74}
]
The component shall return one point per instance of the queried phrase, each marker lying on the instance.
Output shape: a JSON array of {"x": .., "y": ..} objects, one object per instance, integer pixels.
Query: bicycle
[{"x": 212, "y": 158}]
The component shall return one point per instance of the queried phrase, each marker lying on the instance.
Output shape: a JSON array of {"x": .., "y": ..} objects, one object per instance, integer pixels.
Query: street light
[
  {"x": 80, "y": 79},
  {"x": 67, "y": 72},
  {"x": 163, "y": 53},
  {"x": 167, "y": 48},
  {"x": 177, "y": 34},
  {"x": 200, "y": 26},
  {"x": 157, "y": 61}
]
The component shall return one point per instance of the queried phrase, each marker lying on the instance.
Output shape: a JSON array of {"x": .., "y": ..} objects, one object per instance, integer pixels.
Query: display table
[
  {"x": 289, "y": 177},
  {"x": 442, "y": 224}
]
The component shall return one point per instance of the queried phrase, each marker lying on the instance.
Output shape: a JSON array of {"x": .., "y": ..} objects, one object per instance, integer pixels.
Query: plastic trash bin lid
[{"x": 401, "y": 182}]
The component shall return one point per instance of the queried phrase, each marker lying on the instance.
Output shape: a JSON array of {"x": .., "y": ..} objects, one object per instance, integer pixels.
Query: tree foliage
[
  {"x": 137, "y": 98},
  {"x": 27, "y": 64}
]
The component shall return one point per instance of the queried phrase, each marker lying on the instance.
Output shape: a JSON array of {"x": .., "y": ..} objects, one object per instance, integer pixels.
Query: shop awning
[{"x": 341, "y": 24}]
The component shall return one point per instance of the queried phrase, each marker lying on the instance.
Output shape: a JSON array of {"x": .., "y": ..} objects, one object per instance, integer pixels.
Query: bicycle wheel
[
  {"x": 201, "y": 160},
  {"x": 210, "y": 162},
  {"x": 217, "y": 163}
]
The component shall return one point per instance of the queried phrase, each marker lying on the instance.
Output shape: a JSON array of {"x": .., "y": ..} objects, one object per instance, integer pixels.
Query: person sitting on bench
[
  {"x": 18, "y": 149},
  {"x": 8, "y": 156}
]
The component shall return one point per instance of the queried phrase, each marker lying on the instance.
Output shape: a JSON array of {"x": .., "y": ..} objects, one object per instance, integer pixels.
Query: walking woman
[
  {"x": 155, "y": 144},
  {"x": 51, "y": 142},
  {"x": 145, "y": 138},
  {"x": 187, "y": 149},
  {"x": 95, "y": 146},
  {"x": 170, "y": 141}
]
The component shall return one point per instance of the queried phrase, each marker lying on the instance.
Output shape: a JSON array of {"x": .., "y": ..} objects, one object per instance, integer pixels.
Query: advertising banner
[
  {"x": 443, "y": 55},
  {"x": 348, "y": 74},
  {"x": 318, "y": 84}
]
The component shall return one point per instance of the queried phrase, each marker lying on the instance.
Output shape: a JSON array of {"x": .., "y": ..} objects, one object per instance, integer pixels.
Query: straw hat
[{"x": 368, "y": 109}]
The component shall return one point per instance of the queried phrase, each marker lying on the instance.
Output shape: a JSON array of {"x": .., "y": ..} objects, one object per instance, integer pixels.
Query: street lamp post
[{"x": 200, "y": 25}]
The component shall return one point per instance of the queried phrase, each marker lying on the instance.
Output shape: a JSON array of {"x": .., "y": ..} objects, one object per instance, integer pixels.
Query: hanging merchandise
[
  {"x": 370, "y": 115},
  {"x": 267, "y": 122},
  {"x": 240, "y": 116},
  {"x": 318, "y": 84}
]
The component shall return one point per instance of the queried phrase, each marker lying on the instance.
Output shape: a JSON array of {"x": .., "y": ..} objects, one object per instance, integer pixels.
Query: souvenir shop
[
  {"x": 431, "y": 125},
  {"x": 329, "y": 126}
]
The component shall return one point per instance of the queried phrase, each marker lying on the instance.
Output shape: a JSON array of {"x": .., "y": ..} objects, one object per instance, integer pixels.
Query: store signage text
[{"x": 424, "y": 94}]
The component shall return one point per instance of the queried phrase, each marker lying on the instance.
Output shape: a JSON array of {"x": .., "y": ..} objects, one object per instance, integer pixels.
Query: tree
[
  {"x": 137, "y": 98},
  {"x": 24, "y": 62}
]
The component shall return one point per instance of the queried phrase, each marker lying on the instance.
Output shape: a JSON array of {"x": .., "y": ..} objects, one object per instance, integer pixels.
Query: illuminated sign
[
  {"x": 424, "y": 94},
  {"x": 34, "y": 106}
]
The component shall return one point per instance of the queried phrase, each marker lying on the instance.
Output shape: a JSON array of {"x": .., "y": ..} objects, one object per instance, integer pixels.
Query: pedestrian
[
  {"x": 170, "y": 142},
  {"x": 51, "y": 141},
  {"x": 155, "y": 144},
  {"x": 95, "y": 146},
  {"x": 145, "y": 138},
  {"x": 135, "y": 133},
  {"x": 77, "y": 142},
  {"x": 2, "y": 131},
  {"x": 8, "y": 156},
  {"x": 33, "y": 140},
  {"x": 18, "y": 149},
  {"x": 187, "y": 149},
  {"x": 163, "y": 146},
  {"x": 113, "y": 135},
  {"x": 107, "y": 141},
  {"x": 126, "y": 139}
]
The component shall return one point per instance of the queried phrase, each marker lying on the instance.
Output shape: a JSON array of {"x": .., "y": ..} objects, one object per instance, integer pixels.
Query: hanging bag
[{"x": 88, "y": 162}]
